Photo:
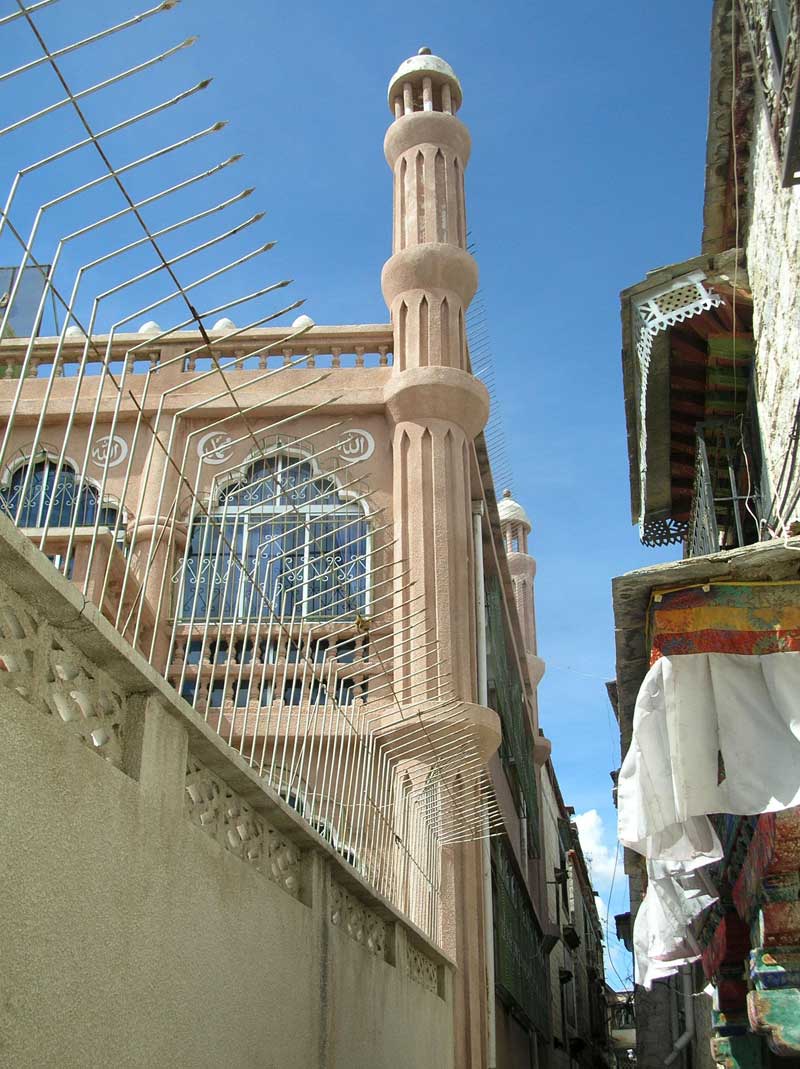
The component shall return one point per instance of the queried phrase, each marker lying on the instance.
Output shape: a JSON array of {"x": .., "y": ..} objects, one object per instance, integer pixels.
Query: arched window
[
  {"x": 58, "y": 502},
  {"x": 281, "y": 540}
]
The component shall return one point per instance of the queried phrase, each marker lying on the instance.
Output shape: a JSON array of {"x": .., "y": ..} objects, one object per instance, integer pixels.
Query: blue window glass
[{"x": 42, "y": 494}]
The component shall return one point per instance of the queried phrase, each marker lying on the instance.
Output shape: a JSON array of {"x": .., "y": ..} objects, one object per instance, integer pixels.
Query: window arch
[
  {"x": 39, "y": 493},
  {"x": 281, "y": 538}
]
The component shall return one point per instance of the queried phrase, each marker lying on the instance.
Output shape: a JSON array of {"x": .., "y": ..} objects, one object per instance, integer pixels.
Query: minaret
[
  {"x": 436, "y": 405},
  {"x": 515, "y": 528},
  {"x": 436, "y": 408}
]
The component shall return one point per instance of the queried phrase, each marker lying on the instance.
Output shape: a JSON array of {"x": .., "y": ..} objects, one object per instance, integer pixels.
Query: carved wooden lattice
[
  {"x": 681, "y": 299},
  {"x": 222, "y": 814}
]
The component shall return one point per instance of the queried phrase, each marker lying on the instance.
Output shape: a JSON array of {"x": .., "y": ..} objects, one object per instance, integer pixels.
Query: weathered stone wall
[
  {"x": 654, "y": 1012},
  {"x": 159, "y": 906},
  {"x": 773, "y": 262}
]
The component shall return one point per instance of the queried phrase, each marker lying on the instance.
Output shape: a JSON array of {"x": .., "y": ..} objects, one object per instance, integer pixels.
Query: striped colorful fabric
[{"x": 750, "y": 618}]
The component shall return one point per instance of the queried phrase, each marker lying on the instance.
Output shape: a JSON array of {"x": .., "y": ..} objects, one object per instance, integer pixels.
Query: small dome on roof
[
  {"x": 511, "y": 512},
  {"x": 223, "y": 325},
  {"x": 424, "y": 63}
]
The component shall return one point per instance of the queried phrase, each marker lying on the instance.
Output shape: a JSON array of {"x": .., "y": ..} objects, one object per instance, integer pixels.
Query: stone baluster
[
  {"x": 427, "y": 94},
  {"x": 408, "y": 98},
  {"x": 202, "y": 692},
  {"x": 179, "y": 652}
]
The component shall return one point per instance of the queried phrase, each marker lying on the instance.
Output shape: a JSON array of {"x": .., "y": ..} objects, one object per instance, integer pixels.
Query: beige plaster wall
[
  {"x": 378, "y": 1018},
  {"x": 130, "y": 937},
  {"x": 773, "y": 256},
  {"x": 134, "y": 940}
]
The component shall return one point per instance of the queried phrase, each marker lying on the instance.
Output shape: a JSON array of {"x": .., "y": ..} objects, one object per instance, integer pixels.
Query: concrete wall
[
  {"x": 773, "y": 259},
  {"x": 515, "y": 1044},
  {"x": 160, "y": 908}
]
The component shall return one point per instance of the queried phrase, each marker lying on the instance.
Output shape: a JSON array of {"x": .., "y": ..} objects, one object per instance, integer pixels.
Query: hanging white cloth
[
  {"x": 690, "y": 710},
  {"x": 712, "y": 733},
  {"x": 663, "y": 937}
]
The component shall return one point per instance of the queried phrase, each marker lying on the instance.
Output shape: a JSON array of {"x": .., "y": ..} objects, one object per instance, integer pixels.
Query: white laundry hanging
[{"x": 712, "y": 733}]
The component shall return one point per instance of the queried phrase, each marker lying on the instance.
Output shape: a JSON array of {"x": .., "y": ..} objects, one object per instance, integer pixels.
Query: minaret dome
[
  {"x": 424, "y": 83},
  {"x": 514, "y": 524}
]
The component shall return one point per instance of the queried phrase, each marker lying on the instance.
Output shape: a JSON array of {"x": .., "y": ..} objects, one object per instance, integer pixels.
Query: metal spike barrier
[
  {"x": 265, "y": 590},
  {"x": 482, "y": 364}
]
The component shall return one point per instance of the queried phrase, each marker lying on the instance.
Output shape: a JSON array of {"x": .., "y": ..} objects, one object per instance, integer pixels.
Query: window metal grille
[
  {"x": 724, "y": 511},
  {"x": 280, "y": 534},
  {"x": 506, "y": 696},
  {"x": 520, "y": 963},
  {"x": 40, "y": 494}
]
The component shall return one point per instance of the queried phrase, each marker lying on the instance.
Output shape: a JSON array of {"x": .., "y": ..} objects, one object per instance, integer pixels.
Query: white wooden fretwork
[{"x": 654, "y": 311}]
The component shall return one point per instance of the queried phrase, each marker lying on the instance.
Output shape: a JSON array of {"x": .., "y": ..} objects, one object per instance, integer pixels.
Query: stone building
[
  {"x": 621, "y": 1027},
  {"x": 565, "y": 900},
  {"x": 708, "y": 647},
  {"x": 577, "y": 985},
  {"x": 297, "y": 530}
]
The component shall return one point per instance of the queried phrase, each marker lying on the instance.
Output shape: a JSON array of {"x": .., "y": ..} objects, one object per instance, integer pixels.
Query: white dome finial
[{"x": 510, "y": 511}]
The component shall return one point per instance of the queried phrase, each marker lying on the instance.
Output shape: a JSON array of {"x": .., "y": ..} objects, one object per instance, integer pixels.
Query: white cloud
[{"x": 599, "y": 855}]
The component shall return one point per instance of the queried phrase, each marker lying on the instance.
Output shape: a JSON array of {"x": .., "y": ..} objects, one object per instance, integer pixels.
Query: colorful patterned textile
[
  {"x": 750, "y": 618},
  {"x": 714, "y": 732}
]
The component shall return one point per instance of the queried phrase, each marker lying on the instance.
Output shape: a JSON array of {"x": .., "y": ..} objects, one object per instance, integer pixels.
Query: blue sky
[{"x": 588, "y": 123}]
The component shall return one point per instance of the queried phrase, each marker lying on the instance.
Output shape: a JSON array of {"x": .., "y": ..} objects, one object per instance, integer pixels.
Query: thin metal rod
[
  {"x": 98, "y": 87},
  {"x": 122, "y": 125},
  {"x": 28, "y": 245},
  {"x": 25, "y": 11},
  {"x": 167, "y": 5}
]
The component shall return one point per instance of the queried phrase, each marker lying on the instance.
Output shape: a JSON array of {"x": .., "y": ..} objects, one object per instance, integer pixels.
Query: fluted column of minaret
[
  {"x": 437, "y": 408},
  {"x": 436, "y": 404},
  {"x": 428, "y": 156},
  {"x": 515, "y": 528}
]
